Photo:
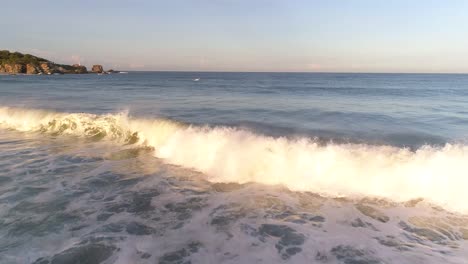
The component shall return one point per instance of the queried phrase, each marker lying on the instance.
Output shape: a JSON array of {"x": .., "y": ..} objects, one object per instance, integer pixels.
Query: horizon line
[{"x": 330, "y": 72}]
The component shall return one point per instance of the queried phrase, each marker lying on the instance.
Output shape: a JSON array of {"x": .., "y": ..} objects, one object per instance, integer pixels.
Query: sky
[{"x": 243, "y": 35}]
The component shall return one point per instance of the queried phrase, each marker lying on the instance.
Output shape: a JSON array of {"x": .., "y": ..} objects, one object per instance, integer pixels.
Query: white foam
[{"x": 438, "y": 174}]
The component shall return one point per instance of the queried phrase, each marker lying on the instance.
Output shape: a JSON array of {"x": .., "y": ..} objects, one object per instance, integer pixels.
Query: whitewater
[{"x": 226, "y": 154}]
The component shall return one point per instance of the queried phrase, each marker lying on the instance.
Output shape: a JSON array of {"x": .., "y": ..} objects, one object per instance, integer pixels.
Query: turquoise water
[{"x": 178, "y": 167}]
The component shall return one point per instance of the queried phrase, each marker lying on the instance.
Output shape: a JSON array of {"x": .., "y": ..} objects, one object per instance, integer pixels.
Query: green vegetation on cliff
[
  {"x": 7, "y": 57},
  {"x": 18, "y": 63}
]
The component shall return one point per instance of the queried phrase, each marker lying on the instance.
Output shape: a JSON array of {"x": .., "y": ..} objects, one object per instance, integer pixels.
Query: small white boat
[{"x": 196, "y": 79}]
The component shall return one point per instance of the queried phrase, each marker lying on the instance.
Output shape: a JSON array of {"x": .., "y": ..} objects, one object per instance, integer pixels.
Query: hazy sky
[{"x": 243, "y": 35}]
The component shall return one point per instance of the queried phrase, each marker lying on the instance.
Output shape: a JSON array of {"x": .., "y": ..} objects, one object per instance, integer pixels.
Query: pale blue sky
[{"x": 243, "y": 35}]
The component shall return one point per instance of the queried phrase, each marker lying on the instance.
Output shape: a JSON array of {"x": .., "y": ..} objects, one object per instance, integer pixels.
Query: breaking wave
[{"x": 225, "y": 154}]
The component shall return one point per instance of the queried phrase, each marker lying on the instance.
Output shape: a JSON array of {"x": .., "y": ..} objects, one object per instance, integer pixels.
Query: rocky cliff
[
  {"x": 18, "y": 63},
  {"x": 97, "y": 69}
]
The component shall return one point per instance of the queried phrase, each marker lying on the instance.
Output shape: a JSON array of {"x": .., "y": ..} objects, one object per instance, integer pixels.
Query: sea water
[{"x": 180, "y": 167}]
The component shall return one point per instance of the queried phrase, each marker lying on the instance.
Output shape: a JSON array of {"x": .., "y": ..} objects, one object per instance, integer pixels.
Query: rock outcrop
[
  {"x": 18, "y": 63},
  {"x": 80, "y": 69},
  {"x": 31, "y": 69},
  {"x": 13, "y": 68},
  {"x": 97, "y": 69},
  {"x": 45, "y": 67},
  {"x": 9, "y": 68}
]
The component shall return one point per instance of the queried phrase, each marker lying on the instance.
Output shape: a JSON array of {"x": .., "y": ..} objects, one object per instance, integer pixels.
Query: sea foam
[{"x": 227, "y": 154}]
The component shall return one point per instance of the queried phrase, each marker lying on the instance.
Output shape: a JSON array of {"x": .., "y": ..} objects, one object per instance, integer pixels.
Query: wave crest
[{"x": 437, "y": 174}]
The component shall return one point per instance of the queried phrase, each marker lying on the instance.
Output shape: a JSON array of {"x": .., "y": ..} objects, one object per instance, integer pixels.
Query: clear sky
[{"x": 243, "y": 35}]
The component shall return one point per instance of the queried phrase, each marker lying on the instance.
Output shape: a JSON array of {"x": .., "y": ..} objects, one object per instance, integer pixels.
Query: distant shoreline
[{"x": 14, "y": 63}]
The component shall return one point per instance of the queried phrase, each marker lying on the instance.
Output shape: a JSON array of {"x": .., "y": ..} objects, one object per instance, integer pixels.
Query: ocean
[{"x": 206, "y": 167}]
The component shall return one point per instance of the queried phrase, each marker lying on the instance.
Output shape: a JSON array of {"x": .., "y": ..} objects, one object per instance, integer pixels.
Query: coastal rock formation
[
  {"x": 13, "y": 68},
  {"x": 31, "y": 69},
  {"x": 79, "y": 68},
  {"x": 8, "y": 68},
  {"x": 18, "y": 63},
  {"x": 97, "y": 69},
  {"x": 19, "y": 68},
  {"x": 45, "y": 67}
]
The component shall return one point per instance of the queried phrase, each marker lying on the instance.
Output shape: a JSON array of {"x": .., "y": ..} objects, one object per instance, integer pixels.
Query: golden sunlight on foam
[{"x": 438, "y": 174}]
